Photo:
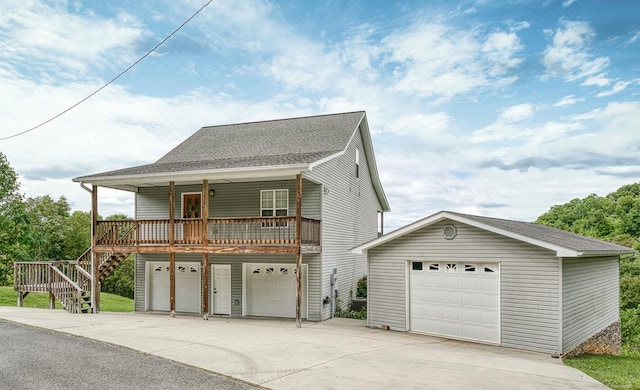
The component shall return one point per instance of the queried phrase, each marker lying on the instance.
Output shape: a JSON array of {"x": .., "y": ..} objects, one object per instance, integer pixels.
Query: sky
[{"x": 495, "y": 108}]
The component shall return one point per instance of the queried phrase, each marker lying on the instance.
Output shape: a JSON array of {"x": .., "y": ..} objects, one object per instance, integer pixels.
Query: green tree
[
  {"x": 47, "y": 227},
  {"x": 77, "y": 237},
  {"x": 614, "y": 218},
  {"x": 13, "y": 221}
]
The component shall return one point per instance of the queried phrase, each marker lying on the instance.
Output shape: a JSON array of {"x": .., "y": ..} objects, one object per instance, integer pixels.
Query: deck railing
[
  {"x": 220, "y": 231},
  {"x": 56, "y": 277}
]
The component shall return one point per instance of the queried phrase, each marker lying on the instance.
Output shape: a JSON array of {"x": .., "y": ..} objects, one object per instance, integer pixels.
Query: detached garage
[{"x": 515, "y": 284}]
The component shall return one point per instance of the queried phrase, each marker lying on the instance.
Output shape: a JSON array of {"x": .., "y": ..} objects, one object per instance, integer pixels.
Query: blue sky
[{"x": 498, "y": 108}]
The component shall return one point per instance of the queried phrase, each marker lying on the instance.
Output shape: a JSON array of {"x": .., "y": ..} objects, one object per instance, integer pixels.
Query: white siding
[
  {"x": 529, "y": 285},
  {"x": 591, "y": 296},
  {"x": 349, "y": 218}
]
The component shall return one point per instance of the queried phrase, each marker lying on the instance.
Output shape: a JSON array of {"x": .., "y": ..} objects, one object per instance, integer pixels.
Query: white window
[
  {"x": 274, "y": 203},
  {"x": 357, "y": 162}
]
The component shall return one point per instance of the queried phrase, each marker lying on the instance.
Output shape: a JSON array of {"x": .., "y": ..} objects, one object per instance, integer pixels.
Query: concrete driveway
[{"x": 334, "y": 354}]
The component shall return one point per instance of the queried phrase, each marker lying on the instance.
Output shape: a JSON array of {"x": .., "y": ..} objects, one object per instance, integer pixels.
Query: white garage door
[
  {"x": 458, "y": 300},
  {"x": 270, "y": 290},
  {"x": 187, "y": 286}
]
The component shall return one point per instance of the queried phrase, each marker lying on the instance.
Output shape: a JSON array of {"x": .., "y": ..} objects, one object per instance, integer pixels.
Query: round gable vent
[{"x": 449, "y": 232}]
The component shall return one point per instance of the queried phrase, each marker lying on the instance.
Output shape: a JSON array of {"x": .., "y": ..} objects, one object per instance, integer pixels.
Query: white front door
[
  {"x": 221, "y": 289},
  {"x": 270, "y": 290},
  {"x": 455, "y": 299}
]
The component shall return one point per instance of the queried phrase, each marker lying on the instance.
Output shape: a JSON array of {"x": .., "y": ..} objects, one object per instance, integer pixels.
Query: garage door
[
  {"x": 270, "y": 290},
  {"x": 187, "y": 287},
  {"x": 458, "y": 300}
]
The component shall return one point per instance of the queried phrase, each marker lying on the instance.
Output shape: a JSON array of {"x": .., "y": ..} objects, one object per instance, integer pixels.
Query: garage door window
[
  {"x": 451, "y": 267},
  {"x": 416, "y": 266},
  {"x": 434, "y": 267},
  {"x": 489, "y": 269},
  {"x": 470, "y": 268}
]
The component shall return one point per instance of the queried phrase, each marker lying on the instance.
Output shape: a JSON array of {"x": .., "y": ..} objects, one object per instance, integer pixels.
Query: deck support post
[
  {"x": 21, "y": 297},
  {"x": 205, "y": 255},
  {"x": 52, "y": 301},
  {"x": 172, "y": 253},
  {"x": 298, "y": 250},
  {"x": 95, "y": 282}
]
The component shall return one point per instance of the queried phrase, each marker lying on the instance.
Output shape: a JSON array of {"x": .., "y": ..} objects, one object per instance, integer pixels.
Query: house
[
  {"x": 248, "y": 219},
  {"x": 516, "y": 284}
]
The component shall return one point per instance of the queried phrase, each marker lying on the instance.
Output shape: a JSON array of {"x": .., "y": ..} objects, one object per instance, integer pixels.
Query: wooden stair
[{"x": 68, "y": 281}]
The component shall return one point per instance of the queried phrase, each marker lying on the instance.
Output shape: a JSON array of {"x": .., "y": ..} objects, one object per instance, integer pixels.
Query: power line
[{"x": 113, "y": 79}]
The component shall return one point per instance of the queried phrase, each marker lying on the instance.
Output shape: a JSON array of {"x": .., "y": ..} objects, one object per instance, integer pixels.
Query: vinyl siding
[
  {"x": 349, "y": 218},
  {"x": 313, "y": 288},
  {"x": 529, "y": 281},
  {"x": 591, "y": 296},
  {"x": 232, "y": 200}
]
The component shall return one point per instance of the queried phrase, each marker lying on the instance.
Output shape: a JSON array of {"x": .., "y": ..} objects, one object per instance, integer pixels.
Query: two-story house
[{"x": 243, "y": 219}]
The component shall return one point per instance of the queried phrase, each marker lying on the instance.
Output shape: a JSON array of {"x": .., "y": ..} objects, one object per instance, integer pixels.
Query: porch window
[{"x": 274, "y": 203}]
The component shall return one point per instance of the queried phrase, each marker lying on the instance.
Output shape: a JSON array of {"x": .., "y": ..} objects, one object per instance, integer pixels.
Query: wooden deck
[{"x": 223, "y": 235}]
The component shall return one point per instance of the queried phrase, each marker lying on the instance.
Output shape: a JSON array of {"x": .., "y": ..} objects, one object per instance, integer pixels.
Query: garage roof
[{"x": 564, "y": 243}]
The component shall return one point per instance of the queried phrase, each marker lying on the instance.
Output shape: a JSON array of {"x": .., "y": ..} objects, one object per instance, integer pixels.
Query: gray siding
[
  {"x": 313, "y": 261},
  {"x": 530, "y": 280},
  {"x": 590, "y": 298},
  {"x": 231, "y": 199},
  {"x": 349, "y": 218}
]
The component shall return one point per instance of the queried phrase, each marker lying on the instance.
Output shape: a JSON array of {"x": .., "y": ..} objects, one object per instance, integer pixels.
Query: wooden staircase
[{"x": 67, "y": 281}]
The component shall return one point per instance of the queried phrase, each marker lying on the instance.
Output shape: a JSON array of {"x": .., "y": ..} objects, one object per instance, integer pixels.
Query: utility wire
[{"x": 113, "y": 79}]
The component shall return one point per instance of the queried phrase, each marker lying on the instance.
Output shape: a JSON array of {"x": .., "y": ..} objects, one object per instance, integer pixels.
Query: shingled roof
[
  {"x": 566, "y": 244},
  {"x": 281, "y": 142}
]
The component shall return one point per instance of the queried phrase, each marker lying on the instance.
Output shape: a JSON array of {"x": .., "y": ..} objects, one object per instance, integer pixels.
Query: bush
[
  {"x": 121, "y": 282},
  {"x": 630, "y": 322},
  {"x": 361, "y": 287},
  {"x": 342, "y": 313}
]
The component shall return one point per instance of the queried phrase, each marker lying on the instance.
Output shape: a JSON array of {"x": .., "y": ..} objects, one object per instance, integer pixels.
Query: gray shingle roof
[
  {"x": 549, "y": 234},
  {"x": 565, "y": 244},
  {"x": 255, "y": 144}
]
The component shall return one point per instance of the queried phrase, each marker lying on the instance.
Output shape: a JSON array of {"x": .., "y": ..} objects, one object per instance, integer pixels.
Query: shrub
[
  {"x": 343, "y": 313},
  {"x": 630, "y": 322},
  {"x": 361, "y": 287}
]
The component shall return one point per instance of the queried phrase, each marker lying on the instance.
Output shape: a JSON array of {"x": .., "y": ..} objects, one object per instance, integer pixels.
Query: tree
[
  {"x": 47, "y": 227},
  {"x": 77, "y": 238},
  {"x": 614, "y": 218},
  {"x": 13, "y": 221}
]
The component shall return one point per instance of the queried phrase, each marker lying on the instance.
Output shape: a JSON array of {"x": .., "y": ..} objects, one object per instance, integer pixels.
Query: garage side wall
[
  {"x": 530, "y": 278},
  {"x": 591, "y": 296}
]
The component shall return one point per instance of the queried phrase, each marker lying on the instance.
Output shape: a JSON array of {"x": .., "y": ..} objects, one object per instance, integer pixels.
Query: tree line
[{"x": 43, "y": 229}]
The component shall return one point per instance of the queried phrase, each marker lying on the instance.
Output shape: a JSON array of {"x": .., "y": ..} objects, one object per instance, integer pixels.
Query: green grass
[
  {"x": 617, "y": 372},
  {"x": 108, "y": 302}
]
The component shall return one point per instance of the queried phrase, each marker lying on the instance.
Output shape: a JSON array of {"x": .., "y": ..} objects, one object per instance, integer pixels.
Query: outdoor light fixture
[{"x": 212, "y": 192}]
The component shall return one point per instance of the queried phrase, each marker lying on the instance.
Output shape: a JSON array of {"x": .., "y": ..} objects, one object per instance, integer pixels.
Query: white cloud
[
  {"x": 568, "y": 100},
  {"x": 568, "y": 54},
  {"x": 617, "y": 88},
  {"x": 436, "y": 60},
  {"x": 566, "y": 3},
  {"x": 59, "y": 43}
]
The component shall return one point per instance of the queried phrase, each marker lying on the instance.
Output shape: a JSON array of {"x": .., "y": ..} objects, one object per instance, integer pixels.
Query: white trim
[
  {"x": 442, "y": 215},
  {"x": 212, "y": 299},
  {"x": 274, "y": 208},
  {"x": 182, "y": 194},
  {"x": 407, "y": 295},
  {"x": 305, "y": 274},
  {"x": 196, "y": 176},
  {"x": 147, "y": 276}
]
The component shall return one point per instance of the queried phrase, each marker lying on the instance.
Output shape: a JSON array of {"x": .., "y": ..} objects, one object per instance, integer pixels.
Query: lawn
[
  {"x": 108, "y": 302},
  {"x": 617, "y": 372}
]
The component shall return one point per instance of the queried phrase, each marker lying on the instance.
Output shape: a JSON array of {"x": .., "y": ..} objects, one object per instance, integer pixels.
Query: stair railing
[{"x": 65, "y": 290}]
